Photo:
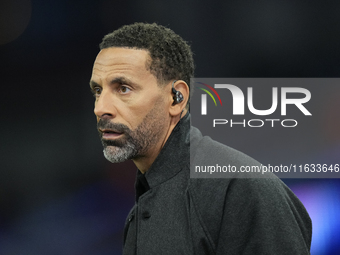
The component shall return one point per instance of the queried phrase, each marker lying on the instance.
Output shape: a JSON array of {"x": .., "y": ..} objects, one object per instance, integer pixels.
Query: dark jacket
[{"x": 175, "y": 214}]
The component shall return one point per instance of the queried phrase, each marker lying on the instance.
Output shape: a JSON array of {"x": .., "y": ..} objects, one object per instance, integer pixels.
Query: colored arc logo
[{"x": 213, "y": 90}]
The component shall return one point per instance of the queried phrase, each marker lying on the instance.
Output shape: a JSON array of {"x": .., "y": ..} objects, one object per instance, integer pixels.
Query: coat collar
[{"x": 174, "y": 156}]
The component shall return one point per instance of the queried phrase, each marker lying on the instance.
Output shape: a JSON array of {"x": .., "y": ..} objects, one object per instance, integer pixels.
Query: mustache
[{"x": 115, "y": 127}]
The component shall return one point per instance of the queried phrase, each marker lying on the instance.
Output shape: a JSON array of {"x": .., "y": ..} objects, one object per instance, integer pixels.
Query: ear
[{"x": 181, "y": 86}]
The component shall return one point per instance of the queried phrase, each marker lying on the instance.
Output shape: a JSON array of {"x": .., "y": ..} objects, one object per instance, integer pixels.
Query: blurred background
[{"x": 58, "y": 195}]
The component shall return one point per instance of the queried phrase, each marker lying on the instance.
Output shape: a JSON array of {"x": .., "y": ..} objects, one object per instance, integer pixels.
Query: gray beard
[
  {"x": 130, "y": 146},
  {"x": 119, "y": 154},
  {"x": 133, "y": 144}
]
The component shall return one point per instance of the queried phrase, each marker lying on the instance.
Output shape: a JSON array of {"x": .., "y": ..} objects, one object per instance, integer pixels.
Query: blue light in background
[{"x": 322, "y": 201}]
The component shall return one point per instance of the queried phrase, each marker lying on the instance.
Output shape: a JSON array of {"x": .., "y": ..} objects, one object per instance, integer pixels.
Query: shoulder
[
  {"x": 225, "y": 162},
  {"x": 205, "y": 148},
  {"x": 241, "y": 188},
  {"x": 261, "y": 201}
]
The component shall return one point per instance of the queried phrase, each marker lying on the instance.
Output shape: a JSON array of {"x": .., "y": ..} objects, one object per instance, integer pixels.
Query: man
[{"x": 140, "y": 82}]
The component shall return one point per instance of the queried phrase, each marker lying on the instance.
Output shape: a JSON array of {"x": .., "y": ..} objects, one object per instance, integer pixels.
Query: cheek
[
  {"x": 147, "y": 102},
  {"x": 155, "y": 106}
]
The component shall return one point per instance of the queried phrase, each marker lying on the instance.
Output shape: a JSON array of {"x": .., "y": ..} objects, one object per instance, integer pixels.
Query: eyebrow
[{"x": 119, "y": 80}]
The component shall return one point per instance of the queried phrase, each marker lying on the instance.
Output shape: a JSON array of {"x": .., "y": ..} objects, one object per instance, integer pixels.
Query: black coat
[{"x": 182, "y": 215}]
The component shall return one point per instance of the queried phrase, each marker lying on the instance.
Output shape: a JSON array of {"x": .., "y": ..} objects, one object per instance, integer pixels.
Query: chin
[{"x": 117, "y": 155}]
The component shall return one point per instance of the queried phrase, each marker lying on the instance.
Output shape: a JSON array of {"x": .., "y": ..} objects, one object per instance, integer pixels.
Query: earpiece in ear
[{"x": 178, "y": 97}]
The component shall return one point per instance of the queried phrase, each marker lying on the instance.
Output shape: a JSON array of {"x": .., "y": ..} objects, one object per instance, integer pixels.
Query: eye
[
  {"x": 123, "y": 89},
  {"x": 96, "y": 91}
]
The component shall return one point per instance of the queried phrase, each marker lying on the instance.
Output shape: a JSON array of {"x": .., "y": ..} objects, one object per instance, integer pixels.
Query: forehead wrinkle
[
  {"x": 122, "y": 74},
  {"x": 108, "y": 65},
  {"x": 119, "y": 67},
  {"x": 106, "y": 57},
  {"x": 100, "y": 67}
]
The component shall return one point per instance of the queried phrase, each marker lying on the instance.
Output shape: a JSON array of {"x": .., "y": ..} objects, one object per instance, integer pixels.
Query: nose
[{"x": 104, "y": 106}]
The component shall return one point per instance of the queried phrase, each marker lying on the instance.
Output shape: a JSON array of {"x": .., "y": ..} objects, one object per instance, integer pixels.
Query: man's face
[{"x": 130, "y": 106}]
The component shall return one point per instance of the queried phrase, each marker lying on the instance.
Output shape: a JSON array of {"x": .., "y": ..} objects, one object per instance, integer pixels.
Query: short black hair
[{"x": 171, "y": 56}]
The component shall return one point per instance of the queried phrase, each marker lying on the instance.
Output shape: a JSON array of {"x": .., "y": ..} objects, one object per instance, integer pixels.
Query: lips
[{"x": 110, "y": 134}]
